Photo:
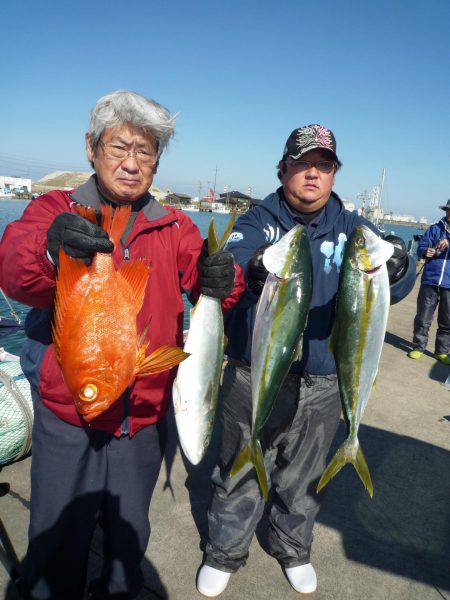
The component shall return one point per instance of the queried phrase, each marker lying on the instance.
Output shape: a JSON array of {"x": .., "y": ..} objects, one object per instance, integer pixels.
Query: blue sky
[{"x": 241, "y": 75}]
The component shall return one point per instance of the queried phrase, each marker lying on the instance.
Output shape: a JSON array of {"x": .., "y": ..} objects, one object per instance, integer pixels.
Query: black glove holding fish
[
  {"x": 398, "y": 263},
  {"x": 256, "y": 271},
  {"x": 216, "y": 273},
  {"x": 78, "y": 237}
]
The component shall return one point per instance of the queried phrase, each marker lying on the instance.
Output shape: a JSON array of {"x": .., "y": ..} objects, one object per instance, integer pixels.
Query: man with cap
[
  {"x": 434, "y": 290},
  {"x": 300, "y": 429}
]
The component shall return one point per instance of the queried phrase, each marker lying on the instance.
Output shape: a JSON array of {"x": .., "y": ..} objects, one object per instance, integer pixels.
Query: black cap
[
  {"x": 310, "y": 137},
  {"x": 447, "y": 206}
]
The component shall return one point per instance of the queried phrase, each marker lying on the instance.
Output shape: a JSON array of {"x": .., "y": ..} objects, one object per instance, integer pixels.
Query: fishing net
[{"x": 16, "y": 412}]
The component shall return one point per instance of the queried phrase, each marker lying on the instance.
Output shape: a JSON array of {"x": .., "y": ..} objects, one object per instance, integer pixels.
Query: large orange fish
[{"x": 94, "y": 332}]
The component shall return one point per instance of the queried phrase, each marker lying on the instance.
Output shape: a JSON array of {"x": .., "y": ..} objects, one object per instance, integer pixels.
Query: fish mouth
[{"x": 370, "y": 271}]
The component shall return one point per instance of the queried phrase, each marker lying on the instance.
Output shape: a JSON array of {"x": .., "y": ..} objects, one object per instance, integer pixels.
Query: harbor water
[{"x": 11, "y": 210}]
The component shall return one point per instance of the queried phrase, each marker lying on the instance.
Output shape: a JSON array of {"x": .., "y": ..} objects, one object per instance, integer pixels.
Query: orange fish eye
[{"x": 89, "y": 392}]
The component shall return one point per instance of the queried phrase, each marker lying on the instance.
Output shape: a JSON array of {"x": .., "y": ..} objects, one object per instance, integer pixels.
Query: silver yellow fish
[{"x": 357, "y": 339}]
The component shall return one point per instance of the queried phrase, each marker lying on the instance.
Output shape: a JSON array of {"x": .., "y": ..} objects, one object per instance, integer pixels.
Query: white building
[
  {"x": 423, "y": 220},
  {"x": 14, "y": 185}
]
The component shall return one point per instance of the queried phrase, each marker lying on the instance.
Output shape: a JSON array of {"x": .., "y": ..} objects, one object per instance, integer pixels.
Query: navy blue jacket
[
  {"x": 437, "y": 268},
  {"x": 268, "y": 222}
]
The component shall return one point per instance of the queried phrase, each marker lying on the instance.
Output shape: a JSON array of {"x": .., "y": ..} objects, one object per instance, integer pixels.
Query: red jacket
[{"x": 165, "y": 235}]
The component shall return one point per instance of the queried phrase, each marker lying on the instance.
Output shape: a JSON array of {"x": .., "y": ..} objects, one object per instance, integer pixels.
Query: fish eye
[{"x": 88, "y": 393}]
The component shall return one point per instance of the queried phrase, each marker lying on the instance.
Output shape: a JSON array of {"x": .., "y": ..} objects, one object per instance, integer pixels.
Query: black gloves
[
  {"x": 216, "y": 273},
  {"x": 398, "y": 263},
  {"x": 256, "y": 271},
  {"x": 79, "y": 238}
]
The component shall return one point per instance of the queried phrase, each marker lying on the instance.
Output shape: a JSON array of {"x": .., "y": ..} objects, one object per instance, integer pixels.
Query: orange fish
[{"x": 96, "y": 340}]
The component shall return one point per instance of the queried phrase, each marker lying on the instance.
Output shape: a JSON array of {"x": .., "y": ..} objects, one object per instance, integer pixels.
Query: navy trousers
[
  {"x": 429, "y": 297},
  {"x": 78, "y": 478}
]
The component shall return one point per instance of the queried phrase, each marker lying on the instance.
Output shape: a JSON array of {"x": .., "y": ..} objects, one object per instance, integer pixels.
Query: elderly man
[
  {"x": 434, "y": 290},
  {"x": 106, "y": 471},
  {"x": 299, "y": 431}
]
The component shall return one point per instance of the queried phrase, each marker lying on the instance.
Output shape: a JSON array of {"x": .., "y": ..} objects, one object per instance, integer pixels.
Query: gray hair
[{"x": 124, "y": 107}]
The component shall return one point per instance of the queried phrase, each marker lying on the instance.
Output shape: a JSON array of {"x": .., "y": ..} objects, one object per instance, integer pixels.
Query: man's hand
[
  {"x": 430, "y": 252},
  {"x": 442, "y": 245},
  {"x": 216, "y": 273},
  {"x": 78, "y": 237},
  {"x": 256, "y": 271}
]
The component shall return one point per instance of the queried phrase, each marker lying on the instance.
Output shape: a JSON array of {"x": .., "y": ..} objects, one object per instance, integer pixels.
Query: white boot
[
  {"x": 211, "y": 582},
  {"x": 303, "y": 578}
]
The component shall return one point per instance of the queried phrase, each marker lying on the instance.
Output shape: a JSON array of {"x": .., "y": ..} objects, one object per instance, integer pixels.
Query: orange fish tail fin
[
  {"x": 159, "y": 360},
  {"x": 86, "y": 212},
  {"x": 115, "y": 225}
]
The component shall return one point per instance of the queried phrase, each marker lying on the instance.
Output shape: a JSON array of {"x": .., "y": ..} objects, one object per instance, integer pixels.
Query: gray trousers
[
  {"x": 296, "y": 439},
  {"x": 429, "y": 297}
]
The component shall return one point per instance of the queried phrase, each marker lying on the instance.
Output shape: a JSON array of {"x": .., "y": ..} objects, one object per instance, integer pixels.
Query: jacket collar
[{"x": 88, "y": 195}]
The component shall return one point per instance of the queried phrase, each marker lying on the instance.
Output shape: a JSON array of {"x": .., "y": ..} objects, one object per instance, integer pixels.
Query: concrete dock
[{"x": 396, "y": 546}]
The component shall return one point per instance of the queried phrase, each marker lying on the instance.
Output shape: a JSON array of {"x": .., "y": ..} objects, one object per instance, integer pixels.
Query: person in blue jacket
[
  {"x": 434, "y": 290},
  {"x": 299, "y": 431}
]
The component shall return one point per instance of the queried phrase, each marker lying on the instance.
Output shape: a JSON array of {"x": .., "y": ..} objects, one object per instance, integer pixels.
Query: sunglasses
[{"x": 324, "y": 166}]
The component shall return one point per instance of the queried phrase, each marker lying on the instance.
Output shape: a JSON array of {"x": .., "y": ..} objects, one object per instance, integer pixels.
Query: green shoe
[
  {"x": 443, "y": 358},
  {"x": 415, "y": 354}
]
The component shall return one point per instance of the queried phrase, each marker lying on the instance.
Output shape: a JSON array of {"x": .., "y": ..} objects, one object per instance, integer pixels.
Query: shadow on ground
[
  {"x": 398, "y": 342},
  {"x": 404, "y": 530},
  {"x": 439, "y": 372}
]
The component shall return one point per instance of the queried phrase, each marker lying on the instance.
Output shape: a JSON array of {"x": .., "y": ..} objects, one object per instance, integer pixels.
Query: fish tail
[
  {"x": 115, "y": 225},
  {"x": 214, "y": 244},
  {"x": 346, "y": 454},
  {"x": 213, "y": 239},
  {"x": 252, "y": 453}
]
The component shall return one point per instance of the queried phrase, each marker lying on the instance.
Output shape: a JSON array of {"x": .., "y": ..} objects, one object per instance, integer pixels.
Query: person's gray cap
[
  {"x": 311, "y": 137},
  {"x": 446, "y": 206}
]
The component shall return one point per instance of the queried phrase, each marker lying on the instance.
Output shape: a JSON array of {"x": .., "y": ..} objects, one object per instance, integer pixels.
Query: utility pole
[{"x": 215, "y": 180}]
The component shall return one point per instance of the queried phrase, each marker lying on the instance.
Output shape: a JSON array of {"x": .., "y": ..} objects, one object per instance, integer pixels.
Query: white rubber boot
[
  {"x": 303, "y": 578},
  {"x": 211, "y": 582}
]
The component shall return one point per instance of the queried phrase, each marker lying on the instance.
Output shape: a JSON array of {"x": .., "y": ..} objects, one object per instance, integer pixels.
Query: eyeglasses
[
  {"x": 119, "y": 153},
  {"x": 324, "y": 166}
]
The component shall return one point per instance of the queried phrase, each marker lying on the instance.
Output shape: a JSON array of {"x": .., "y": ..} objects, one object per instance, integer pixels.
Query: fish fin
[
  {"x": 225, "y": 342},
  {"x": 159, "y": 360},
  {"x": 227, "y": 232},
  {"x": 86, "y": 212},
  {"x": 252, "y": 453},
  {"x": 141, "y": 345},
  {"x": 299, "y": 349},
  {"x": 362, "y": 469},
  {"x": 344, "y": 455},
  {"x": 70, "y": 270},
  {"x": 213, "y": 240},
  {"x": 135, "y": 273},
  {"x": 115, "y": 225},
  {"x": 332, "y": 342}
]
